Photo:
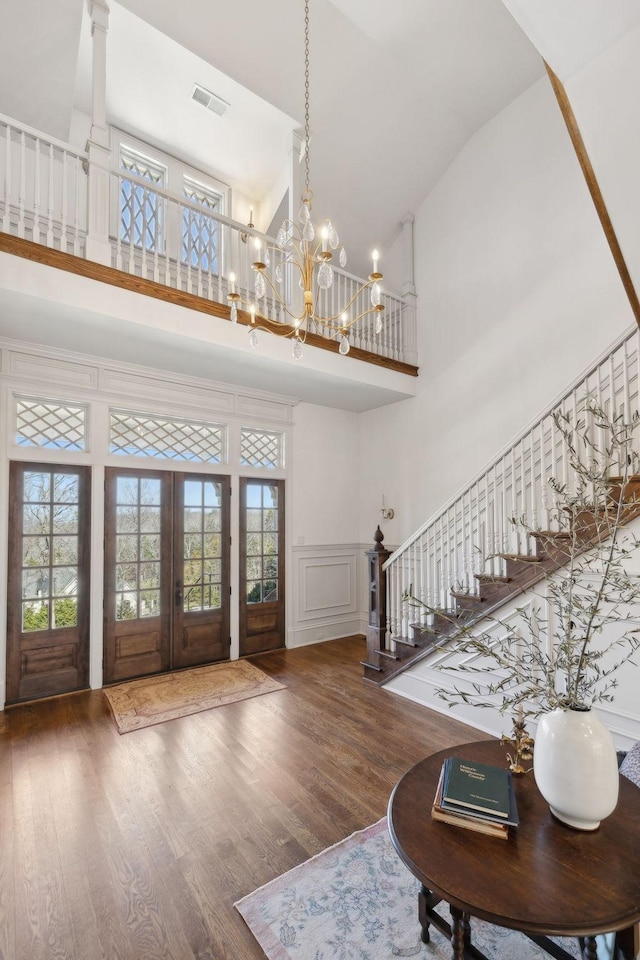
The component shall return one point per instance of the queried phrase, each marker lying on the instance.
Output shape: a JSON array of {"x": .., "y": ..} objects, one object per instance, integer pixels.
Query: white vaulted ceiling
[
  {"x": 397, "y": 86},
  {"x": 396, "y": 89}
]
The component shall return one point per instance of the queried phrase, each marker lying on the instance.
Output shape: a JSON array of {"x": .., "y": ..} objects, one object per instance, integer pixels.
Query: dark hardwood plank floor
[{"x": 135, "y": 847}]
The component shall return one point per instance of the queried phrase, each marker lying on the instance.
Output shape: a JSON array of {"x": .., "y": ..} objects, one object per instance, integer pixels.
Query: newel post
[{"x": 377, "y": 624}]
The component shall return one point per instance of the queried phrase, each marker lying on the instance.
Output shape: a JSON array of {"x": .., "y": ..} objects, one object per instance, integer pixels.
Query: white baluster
[
  {"x": 76, "y": 212},
  {"x": 497, "y": 527},
  {"x": 132, "y": 265},
  {"x": 544, "y": 486},
  {"x": 533, "y": 491},
  {"x": 64, "y": 202},
  {"x": 7, "y": 200},
  {"x": 35, "y": 236},
  {"x": 178, "y": 248},
  {"x": 147, "y": 196},
  {"x": 50, "y": 200},
  {"x": 22, "y": 186},
  {"x": 625, "y": 373},
  {"x": 165, "y": 241},
  {"x": 487, "y": 547}
]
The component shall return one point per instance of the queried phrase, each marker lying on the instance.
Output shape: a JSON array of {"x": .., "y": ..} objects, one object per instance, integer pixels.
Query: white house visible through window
[
  {"x": 141, "y": 209},
  {"x": 200, "y": 229}
]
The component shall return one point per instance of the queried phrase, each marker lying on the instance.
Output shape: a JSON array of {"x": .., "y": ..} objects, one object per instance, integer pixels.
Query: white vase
[{"x": 576, "y": 768}]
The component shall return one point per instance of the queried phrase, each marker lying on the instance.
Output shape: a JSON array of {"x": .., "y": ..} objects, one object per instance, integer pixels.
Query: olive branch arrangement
[{"x": 591, "y": 587}]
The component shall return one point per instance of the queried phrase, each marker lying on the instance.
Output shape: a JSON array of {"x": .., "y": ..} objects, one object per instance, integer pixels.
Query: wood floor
[{"x": 135, "y": 847}]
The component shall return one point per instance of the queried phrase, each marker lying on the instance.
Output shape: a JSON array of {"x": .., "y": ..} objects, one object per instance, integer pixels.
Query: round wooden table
[{"x": 545, "y": 880}]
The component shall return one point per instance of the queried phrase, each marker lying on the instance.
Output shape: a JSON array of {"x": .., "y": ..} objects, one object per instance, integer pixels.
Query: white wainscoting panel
[
  {"x": 42, "y": 369},
  {"x": 329, "y": 599}
]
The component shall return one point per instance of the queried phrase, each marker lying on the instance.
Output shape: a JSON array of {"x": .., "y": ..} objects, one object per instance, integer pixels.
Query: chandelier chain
[
  {"x": 308, "y": 251},
  {"x": 306, "y": 96}
]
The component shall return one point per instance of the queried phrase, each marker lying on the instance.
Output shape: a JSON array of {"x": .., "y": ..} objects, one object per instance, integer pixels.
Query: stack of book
[{"x": 476, "y": 796}]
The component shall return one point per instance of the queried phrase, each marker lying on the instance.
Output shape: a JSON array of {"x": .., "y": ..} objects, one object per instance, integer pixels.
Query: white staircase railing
[
  {"x": 44, "y": 198},
  {"x": 469, "y": 533}
]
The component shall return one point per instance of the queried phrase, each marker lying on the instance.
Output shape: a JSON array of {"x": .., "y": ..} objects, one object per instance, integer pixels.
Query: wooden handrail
[{"x": 29, "y": 250}]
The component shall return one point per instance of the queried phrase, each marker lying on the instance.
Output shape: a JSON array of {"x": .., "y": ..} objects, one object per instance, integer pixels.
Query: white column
[
  {"x": 98, "y": 246},
  {"x": 410, "y": 330}
]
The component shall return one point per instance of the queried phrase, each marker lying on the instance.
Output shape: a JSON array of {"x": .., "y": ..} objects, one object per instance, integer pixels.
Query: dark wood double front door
[
  {"x": 166, "y": 602},
  {"x": 166, "y": 574}
]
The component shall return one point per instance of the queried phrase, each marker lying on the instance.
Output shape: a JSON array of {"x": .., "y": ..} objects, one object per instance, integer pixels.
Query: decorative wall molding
[
  {"x": 59, "y": 371},
  {"x": 328, "y": 595},
  {"x": 42, "y": 368}
]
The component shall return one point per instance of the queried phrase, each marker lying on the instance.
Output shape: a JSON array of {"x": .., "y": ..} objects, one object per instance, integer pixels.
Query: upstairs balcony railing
[
  {"x": 43, "y": 184},
  {"x": 471, "y": 532},
  {"x": 171, "y": 240}
]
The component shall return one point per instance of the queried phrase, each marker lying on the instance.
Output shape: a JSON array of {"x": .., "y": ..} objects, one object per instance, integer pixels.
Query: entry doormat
[
  {"x": 357, "y": 900},
  {"x": 143, "y": 703}
]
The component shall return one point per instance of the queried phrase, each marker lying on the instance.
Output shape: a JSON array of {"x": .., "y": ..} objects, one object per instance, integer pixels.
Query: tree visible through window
[
  {"x": 262, "y": 542},
  {"x": 49, "y": 550}
]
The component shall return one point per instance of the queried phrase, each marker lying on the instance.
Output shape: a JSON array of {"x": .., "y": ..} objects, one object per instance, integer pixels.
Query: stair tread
[
  {"x": 388, "y": 654},
  {"x": 552, "y": 534},
  {"x": 522, "y": 557},
  {"x": 491, "y": 578},
  {"x": 406, "y": 641},
  {"x": 466, "y": 595}
]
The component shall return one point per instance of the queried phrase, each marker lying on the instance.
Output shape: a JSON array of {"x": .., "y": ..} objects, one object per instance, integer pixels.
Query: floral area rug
[
  {"x": 142, "y": 703},
  {"x": 357, "y": 901}
]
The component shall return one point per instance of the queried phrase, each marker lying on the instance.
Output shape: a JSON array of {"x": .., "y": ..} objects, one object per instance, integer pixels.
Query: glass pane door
[
  {"x": 261, "y": 565},
  {"x": 48, "y": 609},
  {"x": 137, "y": 603},
  {"x": 201, "y": 563}
]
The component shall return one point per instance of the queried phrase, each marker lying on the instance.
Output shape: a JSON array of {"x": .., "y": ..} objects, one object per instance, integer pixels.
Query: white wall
[
  {"x": 517, "y": 295},
  {"x": 325, "y": 469},
  {"x": 328, "y": 597},
  {"x": 604, "y": 97}
]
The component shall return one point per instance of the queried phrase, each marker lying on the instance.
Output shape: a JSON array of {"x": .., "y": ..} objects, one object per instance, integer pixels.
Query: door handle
[{"x": 178, "y": 593}]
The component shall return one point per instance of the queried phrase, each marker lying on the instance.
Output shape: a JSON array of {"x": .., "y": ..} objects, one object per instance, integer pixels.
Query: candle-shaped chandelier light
[{"x": 304, "y": 254}]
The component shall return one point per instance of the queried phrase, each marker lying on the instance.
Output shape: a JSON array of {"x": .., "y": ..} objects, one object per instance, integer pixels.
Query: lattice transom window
[
  {"x": 260, "y": 448},
  {"x": 200, "y": 231},
  {"x": 48, "y": 423},
  {"x": 149, "y": 436},
  {"x": 141, "y": 208}
]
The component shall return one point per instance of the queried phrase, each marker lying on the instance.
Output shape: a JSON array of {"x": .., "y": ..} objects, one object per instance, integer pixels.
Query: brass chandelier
[{"x": 305, "y": 252}]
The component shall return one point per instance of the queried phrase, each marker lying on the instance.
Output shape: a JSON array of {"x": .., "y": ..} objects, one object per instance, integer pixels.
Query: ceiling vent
[{"x": 209, "y": 100}]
